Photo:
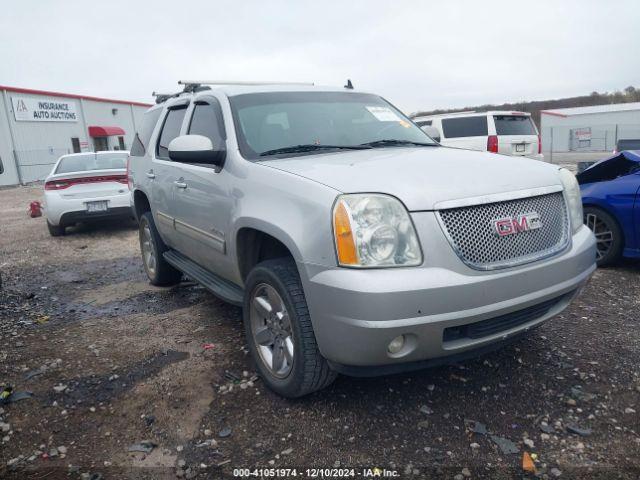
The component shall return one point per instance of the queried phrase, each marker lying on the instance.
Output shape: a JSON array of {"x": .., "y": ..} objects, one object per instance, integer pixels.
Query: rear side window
[
  {"x": 142, "y": 137},
  {"x": 170, "y": 130},
  {"x": 207, "y": 121},
  {"x": 514, "y": 125},
  {"x": 465, "y": 127}
]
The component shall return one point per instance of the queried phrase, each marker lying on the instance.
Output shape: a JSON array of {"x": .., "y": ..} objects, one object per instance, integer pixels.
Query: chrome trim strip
[
  {"x": 496, "y": 197},
  {"x": 216, "y": 239},
  {"x": 165, "y": 218}
]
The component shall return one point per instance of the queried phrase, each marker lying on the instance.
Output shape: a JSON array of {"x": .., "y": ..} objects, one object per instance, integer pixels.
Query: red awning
[{"x": 105, "y": 131}]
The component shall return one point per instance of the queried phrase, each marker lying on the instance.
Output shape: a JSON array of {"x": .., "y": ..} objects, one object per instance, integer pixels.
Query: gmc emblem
[{"x": 512, "y": 225}]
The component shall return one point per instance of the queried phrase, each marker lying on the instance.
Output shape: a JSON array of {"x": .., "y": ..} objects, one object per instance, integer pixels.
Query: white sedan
[{"x": 84, "y": 187}]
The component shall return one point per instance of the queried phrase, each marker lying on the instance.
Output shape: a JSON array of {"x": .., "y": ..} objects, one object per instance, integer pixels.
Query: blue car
[{"x": 611, "y": 199}]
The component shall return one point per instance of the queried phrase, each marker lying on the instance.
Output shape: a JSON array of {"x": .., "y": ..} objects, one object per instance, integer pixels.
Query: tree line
[{"x": 629, "y": 94}]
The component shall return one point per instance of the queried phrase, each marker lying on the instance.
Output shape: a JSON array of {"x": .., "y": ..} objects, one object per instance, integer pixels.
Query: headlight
[
  {"x": 573, "y": 197},
  {"x": 373, "y": 230}
]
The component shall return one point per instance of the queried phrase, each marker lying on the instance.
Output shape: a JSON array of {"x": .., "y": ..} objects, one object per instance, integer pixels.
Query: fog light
[{"x": 396, "y": 344}]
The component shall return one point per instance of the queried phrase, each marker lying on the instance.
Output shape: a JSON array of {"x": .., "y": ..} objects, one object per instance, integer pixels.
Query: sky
[{"x": 420, "y": 55}]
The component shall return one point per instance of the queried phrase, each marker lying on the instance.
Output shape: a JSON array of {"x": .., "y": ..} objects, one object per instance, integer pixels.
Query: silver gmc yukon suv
[{"x": 354, "y": 243}]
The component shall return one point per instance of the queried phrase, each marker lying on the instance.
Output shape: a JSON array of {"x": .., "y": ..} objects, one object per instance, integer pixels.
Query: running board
[{"x": 224, "y": 289}]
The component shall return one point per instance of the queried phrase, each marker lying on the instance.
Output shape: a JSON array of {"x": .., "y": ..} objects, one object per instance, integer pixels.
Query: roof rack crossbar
[
  {"x": 193, "y": 86},
  {"x": 163, "y": 97},
  {"x": 189, "y": 83}
]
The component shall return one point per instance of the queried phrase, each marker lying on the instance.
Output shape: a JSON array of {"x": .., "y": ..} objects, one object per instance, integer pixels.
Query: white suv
[{"x": 509, "y": 133}]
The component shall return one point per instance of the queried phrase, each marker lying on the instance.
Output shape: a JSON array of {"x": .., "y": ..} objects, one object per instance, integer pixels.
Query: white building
[
  {"x": 589, "y": 129},
  {"x": 37, "y": 127}
]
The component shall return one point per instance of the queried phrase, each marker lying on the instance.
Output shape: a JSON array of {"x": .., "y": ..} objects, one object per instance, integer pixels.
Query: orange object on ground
[{"x": 527, "y": 463}]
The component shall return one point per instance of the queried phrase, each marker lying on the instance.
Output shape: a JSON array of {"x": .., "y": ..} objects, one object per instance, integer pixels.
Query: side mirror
[
  {"x": 195, "y": 149},
  {"x": 432, "y": 131}
]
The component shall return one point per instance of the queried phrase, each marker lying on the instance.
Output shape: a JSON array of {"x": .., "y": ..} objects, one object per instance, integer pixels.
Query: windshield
[
  {"x": 269, "y": 122},
  {"x": 514, "y": 125},
  {"x": 92, "y": 161}
]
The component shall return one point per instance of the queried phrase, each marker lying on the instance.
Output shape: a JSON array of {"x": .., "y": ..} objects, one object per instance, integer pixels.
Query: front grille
[
  {"x": 499, "y": 324},
  {"x": 472, "y": 235}
]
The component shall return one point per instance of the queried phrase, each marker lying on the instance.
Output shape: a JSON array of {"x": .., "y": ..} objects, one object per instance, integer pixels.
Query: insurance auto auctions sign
[{"x": 43, "y": 110}]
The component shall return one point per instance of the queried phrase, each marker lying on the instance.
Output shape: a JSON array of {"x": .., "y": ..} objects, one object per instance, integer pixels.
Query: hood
[
  {"x": 624, "y": 163},
  {"x": 421, "y": 177}
]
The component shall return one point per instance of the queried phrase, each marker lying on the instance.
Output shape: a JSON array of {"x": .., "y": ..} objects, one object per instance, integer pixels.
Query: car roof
[
  {"x": 232, "y": 90},
  {"x": 472, "y": 113}
]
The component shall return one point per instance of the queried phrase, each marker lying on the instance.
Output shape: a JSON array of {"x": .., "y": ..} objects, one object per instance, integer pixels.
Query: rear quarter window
[
  {"x": 141, "y": 140},
  {"x": 465, "y": 127},
  {"x": 514, "y": 125}
]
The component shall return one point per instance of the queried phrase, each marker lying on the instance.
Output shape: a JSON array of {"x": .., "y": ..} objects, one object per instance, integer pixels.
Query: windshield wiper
[
  {"x": 390, "y": 142},
  {"x": 311, "y": 147}
]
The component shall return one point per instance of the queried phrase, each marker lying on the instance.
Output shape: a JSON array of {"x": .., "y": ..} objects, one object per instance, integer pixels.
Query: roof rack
[
  {"x": 192, "y": 86},
  {"x": 189, "y": 83},
  {"x": 163, "y": 97}
]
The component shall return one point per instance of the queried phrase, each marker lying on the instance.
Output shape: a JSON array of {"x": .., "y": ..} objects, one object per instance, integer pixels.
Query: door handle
[
  {"x": 180, "y": 184},
  {"x": 151, "y": 175}
]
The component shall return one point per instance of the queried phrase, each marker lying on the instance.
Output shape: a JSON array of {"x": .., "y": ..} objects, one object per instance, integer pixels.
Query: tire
[
  {"x": 609, "y": 237},
  {"x": 308, "y": 371},
  {"x": 56, "y": 230},
  {"x": 152, "y": 247}
]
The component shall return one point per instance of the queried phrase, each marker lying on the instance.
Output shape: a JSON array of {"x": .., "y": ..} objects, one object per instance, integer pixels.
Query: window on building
[
  {"x": 75, "y": 144},
  {"x": 1, "y": 167},
  {"x": 207, "y": 121},
  {"x": 101, "y": 144},
  {"x": 170, "y": 130},
  {"x": 465, "y": 127},
  {"x": 121, "y": 143}
]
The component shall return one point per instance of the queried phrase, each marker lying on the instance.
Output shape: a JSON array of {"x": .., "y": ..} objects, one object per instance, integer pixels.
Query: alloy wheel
[
  {"x": 602, "y": 232},
  {"x": 148, "y": 250},
  {"x": 271, "y": 330}
]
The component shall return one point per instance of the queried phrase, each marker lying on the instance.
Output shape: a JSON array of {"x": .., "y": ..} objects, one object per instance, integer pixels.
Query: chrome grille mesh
[{"x": 471, "y": 233}]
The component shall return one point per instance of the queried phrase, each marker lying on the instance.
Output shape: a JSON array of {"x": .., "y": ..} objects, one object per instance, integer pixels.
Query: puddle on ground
[{"x": 102, "y": 388}]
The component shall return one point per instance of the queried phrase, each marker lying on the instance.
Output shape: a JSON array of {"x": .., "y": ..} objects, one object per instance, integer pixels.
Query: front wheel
[
  {"x": 609, "y": 240},
  {"x": 279, "y": 331}
]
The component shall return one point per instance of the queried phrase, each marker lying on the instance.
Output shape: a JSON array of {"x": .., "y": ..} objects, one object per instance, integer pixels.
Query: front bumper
[{"x": 356, "y": 313}]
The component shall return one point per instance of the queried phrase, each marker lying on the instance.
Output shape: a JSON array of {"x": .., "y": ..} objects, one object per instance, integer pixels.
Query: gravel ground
[{"x": 113, "y": 362}]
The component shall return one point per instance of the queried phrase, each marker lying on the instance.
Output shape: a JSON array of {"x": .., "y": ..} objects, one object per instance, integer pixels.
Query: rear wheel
[
  {"x": 279, "y": 331},
  {"x": 152, "y": 247},
  {"x": 609, "y": 240},
  {"x": 56, "y": 230}
]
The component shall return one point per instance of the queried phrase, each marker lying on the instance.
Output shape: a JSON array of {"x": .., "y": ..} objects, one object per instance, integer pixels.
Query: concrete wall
[{"x": 36, "y": 146}]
